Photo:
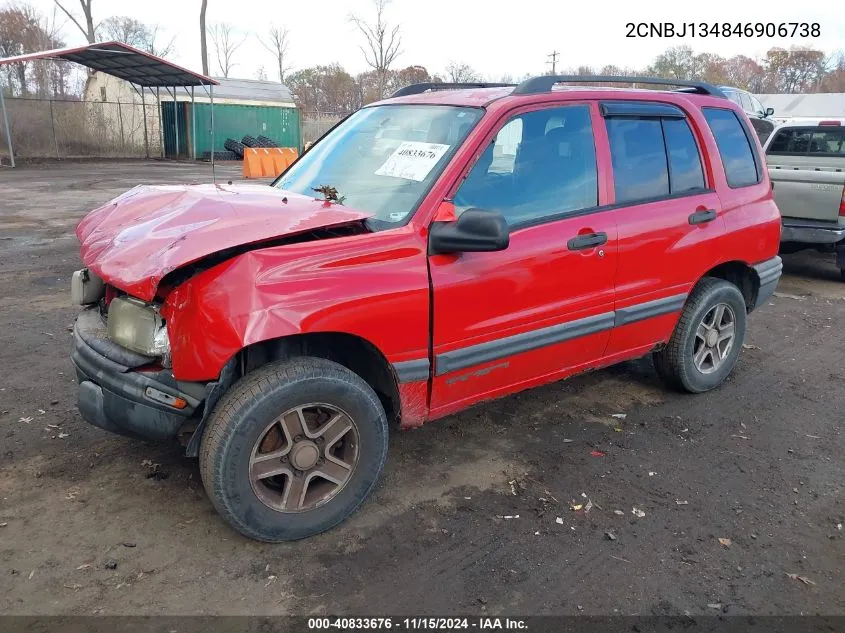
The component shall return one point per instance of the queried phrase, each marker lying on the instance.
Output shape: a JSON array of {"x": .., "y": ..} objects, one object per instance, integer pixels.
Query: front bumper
[
  {"x": 809, "y": 232},
  {"x": 113, "y": 394}
]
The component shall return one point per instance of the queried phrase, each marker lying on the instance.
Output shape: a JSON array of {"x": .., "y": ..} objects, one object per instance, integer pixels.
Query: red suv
[{"x": 437, "y": 249}]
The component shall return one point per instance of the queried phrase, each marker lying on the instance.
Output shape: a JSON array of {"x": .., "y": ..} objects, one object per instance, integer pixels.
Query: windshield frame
[{"x": 374, "y": 224}]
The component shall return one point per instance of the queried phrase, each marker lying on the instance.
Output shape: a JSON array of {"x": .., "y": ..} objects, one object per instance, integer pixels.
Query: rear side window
[
  {"x": 817, "y": 141},
  {"x": 741, "y": 167},
  {"x": 653, "y": 158},
  {"x": 638, "y": 155},
  {"x": 685, "y": 171}
]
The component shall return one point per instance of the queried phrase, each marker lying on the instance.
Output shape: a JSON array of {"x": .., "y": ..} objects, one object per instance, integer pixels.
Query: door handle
[
  {"x": 702, "y": 217},
  {"x": 588, "y": 240}
]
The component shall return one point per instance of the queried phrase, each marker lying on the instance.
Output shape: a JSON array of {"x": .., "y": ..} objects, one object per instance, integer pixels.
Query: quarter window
[{"x": 741, "y": 166}]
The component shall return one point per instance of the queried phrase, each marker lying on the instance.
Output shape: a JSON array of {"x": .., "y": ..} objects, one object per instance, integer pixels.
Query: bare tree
[
  {"x": 135, "y": 33},
  {"x": 203, "y": 44},
  {"x": 226, "y": 43},
  {"x": 278, "y": 45},
  {"x": 461, "y": 73},
  {"x": 383, "y": 42},
  {"x": 89, "y": 31}
]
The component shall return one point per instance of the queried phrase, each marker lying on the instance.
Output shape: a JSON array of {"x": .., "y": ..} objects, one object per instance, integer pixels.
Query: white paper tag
[{"x": 412, "y": 160}]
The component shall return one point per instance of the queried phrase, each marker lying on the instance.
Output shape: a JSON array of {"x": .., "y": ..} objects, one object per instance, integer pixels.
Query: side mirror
[
  {"x": 475, "y": 231},
  {"x": 770, "y": 111}
]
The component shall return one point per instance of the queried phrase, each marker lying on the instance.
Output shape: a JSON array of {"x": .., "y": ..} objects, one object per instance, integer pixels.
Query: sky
[{"x": 494, "y": 37}]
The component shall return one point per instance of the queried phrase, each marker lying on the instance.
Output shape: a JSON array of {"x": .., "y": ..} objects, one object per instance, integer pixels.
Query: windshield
[{"x": 383, "y": 159}]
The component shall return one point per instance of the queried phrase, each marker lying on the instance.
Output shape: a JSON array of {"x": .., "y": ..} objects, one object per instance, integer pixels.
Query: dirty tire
[
  {"x": 266, "y": 141},
  {"x": 249, "y": 141},
  {"x": 675, "y": 364},
  {"x": 242, "y": 415},
  {"x": 234, "y": 146},
  {"x": 218, "y": 155}
]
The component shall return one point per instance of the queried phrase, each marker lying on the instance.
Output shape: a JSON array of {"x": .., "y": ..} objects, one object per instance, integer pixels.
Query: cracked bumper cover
[{"x": 113, "y": 394}]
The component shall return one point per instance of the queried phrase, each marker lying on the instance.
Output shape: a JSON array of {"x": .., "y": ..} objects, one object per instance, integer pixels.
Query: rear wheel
[
  {"x": 707, "y": 340},
  {"x": 293, "y": 449}
]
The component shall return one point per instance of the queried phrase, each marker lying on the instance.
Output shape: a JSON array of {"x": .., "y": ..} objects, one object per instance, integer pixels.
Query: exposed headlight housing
[
  {"x": 139, "y": 327},
  {"x": 86, "y": 287}
]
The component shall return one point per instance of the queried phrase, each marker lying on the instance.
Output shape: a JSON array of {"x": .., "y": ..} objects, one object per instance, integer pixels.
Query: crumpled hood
[{"x": 142, "y": 235}]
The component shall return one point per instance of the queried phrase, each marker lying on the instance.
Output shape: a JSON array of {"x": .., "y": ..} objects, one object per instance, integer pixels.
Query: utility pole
[{"x": 553, "y": 60}]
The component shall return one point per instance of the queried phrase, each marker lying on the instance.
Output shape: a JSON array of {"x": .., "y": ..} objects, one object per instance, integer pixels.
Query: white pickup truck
[{"x": 806, "y": 160}]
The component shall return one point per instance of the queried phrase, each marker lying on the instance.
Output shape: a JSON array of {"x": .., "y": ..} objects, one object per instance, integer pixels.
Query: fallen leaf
[
  {"x": 62, "y": 436},
  {"x": 651, "y": 473},
  {"x": 619, "y": 416},
  {"x": 619, "y": 512},
  {"x": 4, "y": 524},
  {"x": 681, "y": 503},
  {"x": 747, "y": 346},
  {"x": 559, "y": 521},
  {"x": 638, "y": 513},
  {"x": 597, "y": 454},
  {"x": 725, "y": 541},
  {"x": 617, "y": 429},
  {"x": 82, "y": 567},
  {"x": 41, "y": 411},
  {"x": 576, "y": 506},
  {"x": 803, "y": 579}
]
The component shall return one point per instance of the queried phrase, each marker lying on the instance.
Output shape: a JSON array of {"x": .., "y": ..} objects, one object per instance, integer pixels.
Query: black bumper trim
[
  {"x": 412, "y": 370},
  {"x": 768, "y": 272},
  {"x": 112, "y": 396}
]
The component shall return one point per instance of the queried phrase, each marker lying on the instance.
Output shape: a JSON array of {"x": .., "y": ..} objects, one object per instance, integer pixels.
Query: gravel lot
[{"x": 739, "y": 488}]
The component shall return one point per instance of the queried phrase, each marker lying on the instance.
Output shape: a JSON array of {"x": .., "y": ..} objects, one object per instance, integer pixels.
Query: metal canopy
[
  {"x": 123, "y": 61},
  {"x": 126, "y": 62}
]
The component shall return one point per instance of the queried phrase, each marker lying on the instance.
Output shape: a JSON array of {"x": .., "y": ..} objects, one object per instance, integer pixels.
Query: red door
[
  {"x": 669, "y": 219},
  {"x": 528, "y": 314}
]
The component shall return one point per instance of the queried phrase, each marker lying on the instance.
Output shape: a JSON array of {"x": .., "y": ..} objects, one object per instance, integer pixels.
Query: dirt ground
[{"x": 97, "y": 524}]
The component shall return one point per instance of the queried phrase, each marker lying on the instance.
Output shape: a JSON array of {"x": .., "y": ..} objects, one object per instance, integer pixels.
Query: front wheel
[
  {"x": 707, "y": 340},
  {"x": 293, "y": 449}
]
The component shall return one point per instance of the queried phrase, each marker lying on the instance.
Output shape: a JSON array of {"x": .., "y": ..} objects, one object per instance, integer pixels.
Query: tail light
[
  {"x": 842, "y": 204},
  {"x": 831, "y": 123}
]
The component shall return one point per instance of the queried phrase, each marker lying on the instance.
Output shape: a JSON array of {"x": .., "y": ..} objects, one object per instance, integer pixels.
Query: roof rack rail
[
  {"x": 544, "y": 83},
  {"x": 415, "y": 89}
]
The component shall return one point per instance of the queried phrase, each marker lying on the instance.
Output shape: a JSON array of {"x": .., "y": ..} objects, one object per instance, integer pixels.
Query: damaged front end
[{"x": 139, "y": 249}]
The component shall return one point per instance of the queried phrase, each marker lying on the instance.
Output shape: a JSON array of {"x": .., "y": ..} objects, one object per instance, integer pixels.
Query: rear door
[
  {"x": 668, "y": 216},
  {"x": 526, "y": 315}
]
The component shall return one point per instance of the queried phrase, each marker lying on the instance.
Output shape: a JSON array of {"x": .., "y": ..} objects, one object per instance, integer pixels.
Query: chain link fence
[
  {"x": 315, "y": 124},
  {"x": 51, "y": 128}
]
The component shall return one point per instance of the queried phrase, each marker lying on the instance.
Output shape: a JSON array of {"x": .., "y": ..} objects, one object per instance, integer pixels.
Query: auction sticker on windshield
[{"x": 412, "y": 160}]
